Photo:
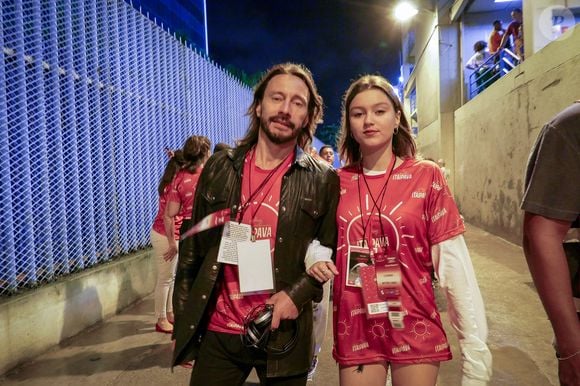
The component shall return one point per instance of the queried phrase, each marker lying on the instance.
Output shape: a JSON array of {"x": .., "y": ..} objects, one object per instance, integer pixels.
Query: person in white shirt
[{"x": 480, "y": 64}]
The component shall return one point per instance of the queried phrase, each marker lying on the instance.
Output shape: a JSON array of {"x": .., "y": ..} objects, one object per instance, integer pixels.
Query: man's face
[
  {"x": 497, "y": 26},
  {"x": 517, "y": 16},
  {"x": 283, "y": 111},
  {"x": 327, "y": 154}
]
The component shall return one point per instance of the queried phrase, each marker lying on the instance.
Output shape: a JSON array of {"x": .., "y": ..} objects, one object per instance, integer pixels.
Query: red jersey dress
[{"x": 416, "y": 212}]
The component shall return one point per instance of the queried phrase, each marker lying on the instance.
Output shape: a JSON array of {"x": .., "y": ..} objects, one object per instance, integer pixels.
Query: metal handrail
[{"x": 496, "y": 66}]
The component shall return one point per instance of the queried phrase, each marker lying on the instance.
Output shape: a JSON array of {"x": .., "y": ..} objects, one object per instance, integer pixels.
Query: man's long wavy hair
[
  {"x": 404, "y": 145},
  {"x": 315, "y": 104}
]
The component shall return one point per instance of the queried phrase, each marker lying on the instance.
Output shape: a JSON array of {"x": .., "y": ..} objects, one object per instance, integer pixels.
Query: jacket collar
[{"x": 238, "y": 155}]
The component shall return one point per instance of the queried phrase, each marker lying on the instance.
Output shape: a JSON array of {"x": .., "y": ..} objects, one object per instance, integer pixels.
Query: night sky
[{"x": 336, "y": 39}]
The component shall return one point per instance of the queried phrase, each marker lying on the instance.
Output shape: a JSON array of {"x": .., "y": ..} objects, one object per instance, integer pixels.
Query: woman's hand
[
  {"x": 171, "y": 252},
  {"x": 323, "y": 271}
]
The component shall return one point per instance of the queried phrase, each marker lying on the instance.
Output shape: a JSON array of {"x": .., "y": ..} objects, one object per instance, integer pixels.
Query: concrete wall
[
  {"x": 425, "y": 75},
  {"x": 35, "y": 321},
  {"x": 428, "y": 140},
  {"x": 427, "y": 84},
  {"x": 438, "y": 85},
  {"x": 495, "y": 131}
]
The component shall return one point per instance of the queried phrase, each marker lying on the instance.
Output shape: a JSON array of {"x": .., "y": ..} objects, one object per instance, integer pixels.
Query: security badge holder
[
  {"x": 238, "y": 246},
  {"x": 381, "y": 288}
]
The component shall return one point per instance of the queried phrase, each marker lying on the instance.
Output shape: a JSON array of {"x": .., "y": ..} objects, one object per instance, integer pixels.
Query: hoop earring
[{"x": 396, "y": 131}]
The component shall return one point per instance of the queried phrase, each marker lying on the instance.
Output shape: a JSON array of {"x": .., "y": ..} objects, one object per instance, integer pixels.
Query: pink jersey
[
  {"x": 158, "y": 225},
  {"x": 183, "y": 191},
  {"x": 262, "y": 213},
  {"x": 417, "y": 211}
]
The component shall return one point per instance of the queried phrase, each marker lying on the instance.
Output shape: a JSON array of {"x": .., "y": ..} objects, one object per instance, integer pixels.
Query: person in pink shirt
[
  {"x": 176, "y": 191},
  {"x": 164, "y": 285},
  {"x": 397, "y": 223},
  {"x": 196, "y": 150}
]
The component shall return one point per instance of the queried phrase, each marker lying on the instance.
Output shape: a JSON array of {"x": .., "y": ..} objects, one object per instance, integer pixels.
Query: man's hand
[
  {"x": 323, "y": 271},
  {"x": 569, "y": 371},
  {"x": 284, "y": 308}
]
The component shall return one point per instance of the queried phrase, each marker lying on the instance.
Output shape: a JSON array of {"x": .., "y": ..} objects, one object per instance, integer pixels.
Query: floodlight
[{"x": 405, "y": 11}]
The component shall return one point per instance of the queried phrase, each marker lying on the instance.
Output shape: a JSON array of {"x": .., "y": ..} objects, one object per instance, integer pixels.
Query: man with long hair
[{"x": 278, "y": 199}]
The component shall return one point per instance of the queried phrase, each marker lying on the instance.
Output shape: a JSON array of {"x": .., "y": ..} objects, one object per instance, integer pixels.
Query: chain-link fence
[{"x": 91, "y": 91}]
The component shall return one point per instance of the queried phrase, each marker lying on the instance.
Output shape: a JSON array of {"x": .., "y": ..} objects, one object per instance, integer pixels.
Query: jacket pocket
[
  {"x": 311, "y": 210},
  {"x": 214, "y": 200},
  {"x": 312, "y": 207}
]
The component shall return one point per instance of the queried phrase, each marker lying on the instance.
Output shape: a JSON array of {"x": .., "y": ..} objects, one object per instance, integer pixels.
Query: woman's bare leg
[
  {"x": 422, "y": 374},
  {"x": 372, "y": 374}
]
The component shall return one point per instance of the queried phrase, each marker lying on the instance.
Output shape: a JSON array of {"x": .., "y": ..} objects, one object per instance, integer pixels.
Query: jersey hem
[{"x": 384, "y": 358}]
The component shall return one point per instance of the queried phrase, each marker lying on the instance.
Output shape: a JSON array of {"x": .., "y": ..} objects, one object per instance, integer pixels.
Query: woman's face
[{"x": 373, "y": 119}]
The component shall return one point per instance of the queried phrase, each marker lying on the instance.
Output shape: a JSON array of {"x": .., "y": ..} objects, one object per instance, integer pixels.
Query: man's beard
[{"x": 276, "y": 138}]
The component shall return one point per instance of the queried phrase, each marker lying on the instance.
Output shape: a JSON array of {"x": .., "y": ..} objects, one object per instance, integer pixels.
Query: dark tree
[
  {"x": 328, "y": 134},
  {"x": 249, "y": 80}
]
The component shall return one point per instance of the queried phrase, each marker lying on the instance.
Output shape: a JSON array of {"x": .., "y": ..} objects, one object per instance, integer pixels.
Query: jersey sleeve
[
  {"x": 442, "y": 215},
  {"x": 173, "y": 194}
]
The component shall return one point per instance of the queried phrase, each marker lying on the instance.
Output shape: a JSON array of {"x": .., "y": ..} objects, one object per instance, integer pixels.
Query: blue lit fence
[{"x": 91, "y": 92}]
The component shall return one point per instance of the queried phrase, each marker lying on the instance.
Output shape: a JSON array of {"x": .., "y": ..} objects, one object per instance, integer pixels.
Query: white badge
[
  {"x": 377, "y": 308},
  {"x": 255, "y": 266},
  {"x": 232, "y": 234},
  {"x": 397, "y": 319}
]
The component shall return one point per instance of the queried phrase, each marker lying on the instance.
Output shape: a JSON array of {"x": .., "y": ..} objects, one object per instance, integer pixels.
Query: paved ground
[{"x": 125, "y": 350}]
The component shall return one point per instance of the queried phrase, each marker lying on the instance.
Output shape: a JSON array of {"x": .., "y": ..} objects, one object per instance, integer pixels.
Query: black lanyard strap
[{"x": 382, "y": 194}]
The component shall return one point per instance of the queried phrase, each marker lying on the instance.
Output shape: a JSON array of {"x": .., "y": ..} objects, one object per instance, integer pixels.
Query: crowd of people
[
  {"x": 265, "y": 227},
  {"x": 486, "y": 71}
]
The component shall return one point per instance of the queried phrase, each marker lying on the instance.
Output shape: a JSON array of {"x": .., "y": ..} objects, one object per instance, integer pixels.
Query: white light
[
  {"x": 502, "y": 1},
  {"x": 396, "y": 90},
  {"x": 401, "y": 79},
  {"x": 405, "y": 11}
]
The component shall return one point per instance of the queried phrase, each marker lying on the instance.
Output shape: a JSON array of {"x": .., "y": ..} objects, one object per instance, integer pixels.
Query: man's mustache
[{"x": 283, "y": 120}]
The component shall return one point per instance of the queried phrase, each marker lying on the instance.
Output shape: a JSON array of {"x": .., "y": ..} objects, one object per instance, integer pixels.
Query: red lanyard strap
[
  {"x": 212, "y": 220},
  {"x": 244, "y": 206}
]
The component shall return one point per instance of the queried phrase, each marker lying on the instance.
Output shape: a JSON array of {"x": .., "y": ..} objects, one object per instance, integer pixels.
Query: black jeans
[{"x": 223, "y": 360}]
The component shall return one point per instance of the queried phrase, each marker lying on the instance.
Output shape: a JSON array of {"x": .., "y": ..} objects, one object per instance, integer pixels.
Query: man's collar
[
  {"x": 238, "y": 155},
  {"x": 302, "y": 159}
]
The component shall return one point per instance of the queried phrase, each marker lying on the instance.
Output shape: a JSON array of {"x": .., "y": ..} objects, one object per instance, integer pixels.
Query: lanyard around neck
[
  {"x": 381, "y": 194},
  {"x": 252, "y": 195}
]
